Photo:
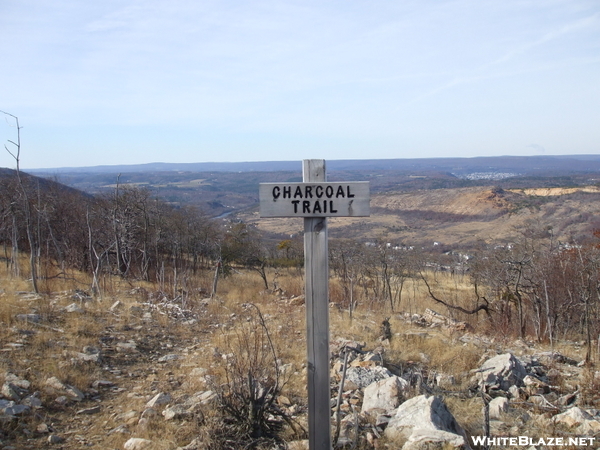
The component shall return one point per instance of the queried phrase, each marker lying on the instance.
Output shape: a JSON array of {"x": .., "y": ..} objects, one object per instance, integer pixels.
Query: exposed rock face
[
  {"x": 501, "y": 372},
  {"x": 421, "y": 416}
]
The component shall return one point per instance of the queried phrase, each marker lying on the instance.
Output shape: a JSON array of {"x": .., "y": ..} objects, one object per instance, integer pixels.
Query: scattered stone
[
  {"x": 137, "y": 444},
  {"x": 54, "y": 384},
  {"x": 12, "y": 346},
  {"x": 19, "y": 382},
  {"x": 567, "y": 399},
  {"x": 149, "y": 413},
  {"x": 61, "y": 400},
  {"x": 501, "y": 372},
  {"x": 538, "y": 400},
  {"x": 159, "y": 399},
  {"x": 116, "y": 306},
  {"x": 121, "y": 429},
  {"x": 92, "y": 410},
  {"x": 102, "y": 384},
  {"x": 11, "y": 392},
  {"x": 427, "y": 439},
  {"x": 444, "y": 380},
  {"x": 34, "y": 318},
  {"x": 514, "y": 392},
  {"x": 361, "y": 377},
  {"x": 498, "y": 406},
  {"x": 175, "y": 412},
  {"x": 385, "y": 394},
  {"x": 207, "y": 397},
  {"x": 74, "y": 308},
  {"x": 88, "y": 357},
  {"x": 92, "y": 350},
  {"x": 10, "y": 408},
  {"x": 580, "y": 419},
  {"x": 43, "y": 428},
  {"x": 421, "y": 415},
  {"x": 126, "y": 346},
  {"x": 534, "y": 385},
  {"x": 55, "y": 439},
  {"x": 559, "y": 358},
  {"x": 129, "y": 417},
  {"x": 169, "y": 357}
]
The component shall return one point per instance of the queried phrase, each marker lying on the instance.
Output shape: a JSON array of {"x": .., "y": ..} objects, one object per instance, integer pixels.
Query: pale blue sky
[{"x": 127, "y": 82}]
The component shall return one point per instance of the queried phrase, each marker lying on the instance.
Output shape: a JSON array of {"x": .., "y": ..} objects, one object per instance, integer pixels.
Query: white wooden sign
[{"x": 314, "y": 199}]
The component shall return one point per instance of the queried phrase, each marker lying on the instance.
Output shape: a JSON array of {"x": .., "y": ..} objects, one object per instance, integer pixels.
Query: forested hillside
[{"x": 517, "y": 247}]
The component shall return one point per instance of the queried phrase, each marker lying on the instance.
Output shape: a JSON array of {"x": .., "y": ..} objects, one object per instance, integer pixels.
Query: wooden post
[
  {"x": 315, "y": 200},
  {"x": 316, "y": 267}
]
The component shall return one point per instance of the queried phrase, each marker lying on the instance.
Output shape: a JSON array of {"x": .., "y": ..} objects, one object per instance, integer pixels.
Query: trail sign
[{"x": 315, "y": 200}]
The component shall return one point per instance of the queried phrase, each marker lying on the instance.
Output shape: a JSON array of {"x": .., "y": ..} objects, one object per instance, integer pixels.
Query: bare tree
[{"x": 16, "y": 154}]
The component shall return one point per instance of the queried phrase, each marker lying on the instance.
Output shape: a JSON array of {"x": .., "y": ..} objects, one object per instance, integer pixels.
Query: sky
[{"x": 140, "y": 81}]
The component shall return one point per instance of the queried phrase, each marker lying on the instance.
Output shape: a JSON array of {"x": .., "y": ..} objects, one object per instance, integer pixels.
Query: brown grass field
[{"x": 204, "y": 334}]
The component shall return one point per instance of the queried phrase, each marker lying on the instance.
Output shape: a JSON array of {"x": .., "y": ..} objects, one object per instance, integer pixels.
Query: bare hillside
[{"x": 464, "y": 217}]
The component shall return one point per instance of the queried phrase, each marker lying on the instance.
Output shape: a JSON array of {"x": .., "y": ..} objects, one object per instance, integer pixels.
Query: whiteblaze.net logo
[{"x": 526, "y": 441}]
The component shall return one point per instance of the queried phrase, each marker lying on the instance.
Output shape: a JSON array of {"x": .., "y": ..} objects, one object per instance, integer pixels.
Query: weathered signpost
[{"x": 315, "y": 200}]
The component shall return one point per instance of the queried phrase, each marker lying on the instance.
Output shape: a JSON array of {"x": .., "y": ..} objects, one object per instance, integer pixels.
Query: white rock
[
  {"x": 69, "y": 391},
  {"x": 74, "y": 308},
  {"x": 426, "y": 439},
  {"x": 159, "y": 399},
  {"x": 19, "y": 382},
  {"x": 501, "y": 371},
  {"x": 385, "y": 394},
  {"x": 364, "y": 376},
  {"x": 169, "y": 357},
  {"x": 126, "y": 346},
  {"x": 579, "y": 419},
  {"x": 422, "y": 413},
  {"x": 175, "y": 412},
  {"x": 137, "y": 444},
  {"x": 32, "y": 401},
  {"x": 514, "y": 392},
  {"x": 10, "y": 391},
  {"x": 207, "y": 396},
  {"x": 498, "y": 406},
  {"x": 573, "y": 416},
  {"x": 54, "y": 439},
  {"x": 116, "y": 306}
]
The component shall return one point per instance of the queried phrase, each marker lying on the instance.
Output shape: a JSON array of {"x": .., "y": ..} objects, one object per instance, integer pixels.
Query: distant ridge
[{"x": 521, "y": 164}]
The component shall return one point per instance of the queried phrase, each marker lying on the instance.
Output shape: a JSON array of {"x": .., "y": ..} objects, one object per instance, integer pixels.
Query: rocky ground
[{"x": 140, "y": 370}]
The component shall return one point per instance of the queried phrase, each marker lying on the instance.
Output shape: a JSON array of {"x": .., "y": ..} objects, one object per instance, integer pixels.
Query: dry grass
[{"x": 50, "y": 347}]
